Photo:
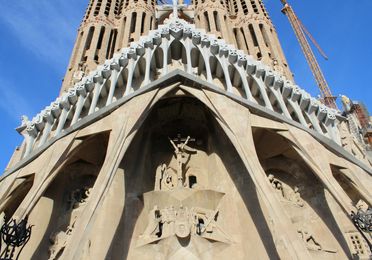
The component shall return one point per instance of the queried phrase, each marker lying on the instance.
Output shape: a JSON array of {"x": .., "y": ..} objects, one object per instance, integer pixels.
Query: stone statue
[
  {"x": 153, "y": 226},
  {"x": 286, "y": 192},
  {"x": 182, "y": 224},
  {"x": 309, "y": 239},
  {"x": 78, "y": 197},
  {"x": 160, "y": 172},
  {"x": 166, "y": 178},
  {"x": 292, "y": 195},
  {"x": 296, "y": 198},
  {"x": 204, "y": 220},
  {"x": 275, "y": 183},
  {"x": 346, "y": 103},
  {"x": 24, "y": 120},
  {"x": 168, "y": 220},
  {"x": 362, "y": 205},
  {"x": 181, "y": 158},
  {"x": 59, "y": 242}
]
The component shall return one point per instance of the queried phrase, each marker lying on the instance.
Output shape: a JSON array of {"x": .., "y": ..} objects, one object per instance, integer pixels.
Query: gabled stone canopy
[{"x": 178, "y": 45}]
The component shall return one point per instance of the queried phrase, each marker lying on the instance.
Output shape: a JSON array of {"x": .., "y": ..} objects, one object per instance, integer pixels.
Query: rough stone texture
[{"x": 183, "y": 147}]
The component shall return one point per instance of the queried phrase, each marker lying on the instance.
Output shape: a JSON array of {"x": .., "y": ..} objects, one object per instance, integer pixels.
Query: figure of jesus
[{"x": 180, "y": 157}]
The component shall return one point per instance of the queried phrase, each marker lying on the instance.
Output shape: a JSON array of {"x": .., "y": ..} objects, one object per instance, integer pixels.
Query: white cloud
[
  {"x": 13, "y": 103},
  {"x": 47, "y": 28}
]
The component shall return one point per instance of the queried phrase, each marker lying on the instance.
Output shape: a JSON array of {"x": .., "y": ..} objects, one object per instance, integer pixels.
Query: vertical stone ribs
[
  {"x": 220, "y": 65},
  {"x": 108, "y": 26}
]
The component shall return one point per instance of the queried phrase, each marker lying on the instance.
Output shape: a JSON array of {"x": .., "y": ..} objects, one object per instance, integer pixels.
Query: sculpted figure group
[
  {"x": 177, "y": 219},
  {"x": 168, "y": 178},
  {"x": 180, "y": 221},
  {"x": 59, "y": 239},
  {"x": 289, "y": 194}
]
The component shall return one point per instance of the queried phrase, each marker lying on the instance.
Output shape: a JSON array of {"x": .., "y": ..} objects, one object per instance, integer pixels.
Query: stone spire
[
  {"x": 255, "y": 34},
  {"x": 107, "y": 26}
]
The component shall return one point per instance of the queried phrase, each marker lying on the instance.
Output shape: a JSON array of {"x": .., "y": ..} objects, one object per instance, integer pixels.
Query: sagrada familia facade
[{"x": 179, "y": 133}]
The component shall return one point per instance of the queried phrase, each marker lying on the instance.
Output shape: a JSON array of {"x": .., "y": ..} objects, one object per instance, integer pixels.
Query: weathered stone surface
[{"x": 180, "y": 146}]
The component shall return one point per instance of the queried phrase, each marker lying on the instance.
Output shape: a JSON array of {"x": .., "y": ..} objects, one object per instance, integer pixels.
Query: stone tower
[
  {"x": 180, "y": 134},
  {"x": 109, "y": 25}
]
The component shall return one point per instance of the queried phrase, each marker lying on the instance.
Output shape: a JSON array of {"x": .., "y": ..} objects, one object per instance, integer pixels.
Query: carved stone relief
[
  {"x": 304, "y": 219},
  {"x": 75, "y": 203},
  {"x": 178, "y": 206},
  {"x": 286, "y": 192},
  {"x": 358, "y": 246}
]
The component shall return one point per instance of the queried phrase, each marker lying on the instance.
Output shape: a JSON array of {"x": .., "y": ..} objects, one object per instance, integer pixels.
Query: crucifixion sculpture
[{"x": 179, "y": 150}]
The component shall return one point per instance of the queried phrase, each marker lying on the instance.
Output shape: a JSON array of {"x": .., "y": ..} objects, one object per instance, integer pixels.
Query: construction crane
[{"x": 327, "y": 98}]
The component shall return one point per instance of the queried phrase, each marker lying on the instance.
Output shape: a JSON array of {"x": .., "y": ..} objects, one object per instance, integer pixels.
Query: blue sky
[{"x": 37, "y": 38}]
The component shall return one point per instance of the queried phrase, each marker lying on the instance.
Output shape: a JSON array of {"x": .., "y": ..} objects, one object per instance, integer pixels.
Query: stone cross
[
  {"x": 176, "y": 4},
  {"x": 175, "y": 8}
]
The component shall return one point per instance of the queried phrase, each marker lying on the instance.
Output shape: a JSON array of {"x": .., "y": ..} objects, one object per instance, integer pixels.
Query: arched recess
[
  {"x": 139, "y": 73},
  {"x": 217, "y": 72},
  {"x": 177, "y": 52},
  {"x": 121, "y": 83},
  {"x": 302, "y": 195},
  {"x": 349, "y": 186},
  {"x": 292, "y": 111},
  {"x": 16, "y": 195},
  {"x": 212, "y": 167},
  {"x": 236, "y": 81},
  {"x": 255, "y": 90},
  {"x": 57, "y": 210},
  {"x": 157, "y": 58},
  {"x": 197, "y": 61}
]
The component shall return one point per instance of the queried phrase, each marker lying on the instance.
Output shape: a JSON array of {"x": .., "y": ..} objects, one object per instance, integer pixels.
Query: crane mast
[{"x": 327, "y": 97}]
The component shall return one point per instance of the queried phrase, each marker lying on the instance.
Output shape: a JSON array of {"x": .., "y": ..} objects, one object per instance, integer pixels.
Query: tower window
[
  {"x": 110, "y": 43},
  {"x": 108, "y": 7},
  {"x": 87, "y": 43},
  {"x": 143, "y": 23},
  {"x": 245, "y": 39},
  {"x": 113, "y": 43},
  {"x": 235, "y": 6},
  {"x": 133, "y": 23},
  {"x": 245, "y": 9},
  {"x": 99, "y": 43},
  {"x": 100, "y": 38},
  {"x": 264, "y": 34},
  {"x": 89, "y": 9},
  {"x": 98, "y": 7},
  {"x": 227, "y": 5},
  {"x": 207, "y": 21},
  {"x": 259, "y": 55},
  {"x": 151, "y": 21},
  {"x": 253, "y": 35},
  {"x": 255, "y": 9},
  {"x": 217, "y": 21},
  {"x": 236, "y": 37},
  {"x": 89, "y": 38}
]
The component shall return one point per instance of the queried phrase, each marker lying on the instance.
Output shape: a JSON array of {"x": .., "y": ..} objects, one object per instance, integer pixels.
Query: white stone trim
[{"x": 94, "y": 89}]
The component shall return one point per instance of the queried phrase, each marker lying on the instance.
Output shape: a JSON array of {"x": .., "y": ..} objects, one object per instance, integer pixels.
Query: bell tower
[
  {"x": 107, "y": 26},
  {"x": 213, "y": 16},
  {"x": 255, "y": 34}
]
